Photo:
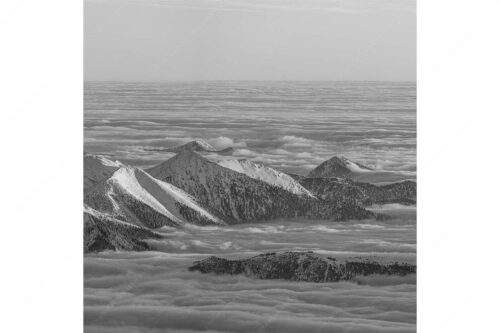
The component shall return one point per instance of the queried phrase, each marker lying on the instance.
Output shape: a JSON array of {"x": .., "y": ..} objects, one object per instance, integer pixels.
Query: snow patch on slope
[
  {"x": 102, "y": 160},
  {"x": 108, "y": 162},
  {"x": 354, "y": 167},
  {"x": 159, "y": 195},
  {"x": 176, "y": 194},
  {"x": 204, "y": 144},
  {"x": 103, "y": 216},
  {"x": 125, "y": 178},
  {"x": 265, "y": 174}
]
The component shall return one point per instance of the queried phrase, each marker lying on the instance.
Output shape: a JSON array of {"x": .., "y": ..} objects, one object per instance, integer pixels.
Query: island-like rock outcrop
[{"x": 300, "y": 266}]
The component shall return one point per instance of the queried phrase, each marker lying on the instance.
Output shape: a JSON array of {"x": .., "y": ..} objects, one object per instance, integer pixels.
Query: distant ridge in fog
[{"x": 196, "y": 145}]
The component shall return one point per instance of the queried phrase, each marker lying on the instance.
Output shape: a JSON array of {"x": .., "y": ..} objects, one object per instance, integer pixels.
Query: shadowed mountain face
[
  {"x": 105, "y": 233},
  {"x": 300, "y": 266},
  {"x": 238, "y": 198},
  {"x": 97, "y": 169}
]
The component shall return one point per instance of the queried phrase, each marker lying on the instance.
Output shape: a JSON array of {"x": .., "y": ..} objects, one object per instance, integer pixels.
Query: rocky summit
[{"x": 300, "y": 266}]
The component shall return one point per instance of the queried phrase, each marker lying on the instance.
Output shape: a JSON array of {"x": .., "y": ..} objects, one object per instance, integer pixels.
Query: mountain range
[
  {"x": 125, "y": 204},
  {"x": 240, "y": 198}
]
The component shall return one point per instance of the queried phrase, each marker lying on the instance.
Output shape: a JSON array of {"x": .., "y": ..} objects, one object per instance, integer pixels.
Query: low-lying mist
[{"x": 154, "y": 291}]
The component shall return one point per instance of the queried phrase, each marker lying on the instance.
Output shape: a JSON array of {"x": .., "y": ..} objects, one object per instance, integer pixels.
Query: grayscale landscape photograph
[{"x": 250, "y": 166}]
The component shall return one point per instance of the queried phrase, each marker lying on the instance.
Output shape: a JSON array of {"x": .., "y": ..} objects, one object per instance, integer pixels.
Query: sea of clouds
[
  {"x": 154, "y": 291},
  {"x": 289, "y": 126}
]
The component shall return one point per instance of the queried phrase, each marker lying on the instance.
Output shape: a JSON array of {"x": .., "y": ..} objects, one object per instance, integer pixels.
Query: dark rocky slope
[
  {"x": 238, "y": 198},
  {"x": 300, "y": 266},
  {"x": 97, "y": 169},
  {"x": 103, "y": 233},
  {"x": 364, "y": 194}
]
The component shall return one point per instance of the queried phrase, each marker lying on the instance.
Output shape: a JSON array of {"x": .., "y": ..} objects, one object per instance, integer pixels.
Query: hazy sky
[{"x": 151, "y": 40}]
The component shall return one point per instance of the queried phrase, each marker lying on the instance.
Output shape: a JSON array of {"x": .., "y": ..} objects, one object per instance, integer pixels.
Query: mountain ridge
[
  {"x": 265, "y": 174},
  {"x": 240, "y": 198},
  {"x": 122, "y": 202},
  {"x": 132, "y": 195}
]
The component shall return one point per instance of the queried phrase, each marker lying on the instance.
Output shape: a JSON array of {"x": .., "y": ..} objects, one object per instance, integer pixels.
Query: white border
[
  {"x": 458, "y": 99},
  {"x": 41, "y": 135},
  {"x": 41, "y": 62}
]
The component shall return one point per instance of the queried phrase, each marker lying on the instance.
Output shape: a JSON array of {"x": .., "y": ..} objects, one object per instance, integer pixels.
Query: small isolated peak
[
  {"x": 196, "y": 145},
  {"x": 338, "y": 159},
  {"x": 187, "y": 154},
  {"x": 183, "y": 159},
  {"x": 344, "y": 161},
  {"x": 337, "y": 166}
]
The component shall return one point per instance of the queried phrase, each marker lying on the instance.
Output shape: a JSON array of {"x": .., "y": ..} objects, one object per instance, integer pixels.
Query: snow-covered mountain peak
[{"x": 265, "y": 174}]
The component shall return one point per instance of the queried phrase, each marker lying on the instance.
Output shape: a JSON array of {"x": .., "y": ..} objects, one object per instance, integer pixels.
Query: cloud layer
[
  {"x": 154, "y": 291},
  {"x": 291, "y": 127}
]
